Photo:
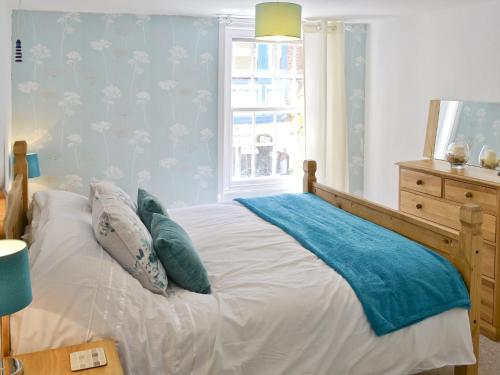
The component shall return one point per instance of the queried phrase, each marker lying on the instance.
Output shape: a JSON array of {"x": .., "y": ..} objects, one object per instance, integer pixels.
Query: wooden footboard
[{"x": 462, "y": 248}]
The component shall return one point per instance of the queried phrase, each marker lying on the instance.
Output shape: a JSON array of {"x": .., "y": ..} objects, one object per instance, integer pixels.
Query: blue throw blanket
[{"x": 399, "y": 282}]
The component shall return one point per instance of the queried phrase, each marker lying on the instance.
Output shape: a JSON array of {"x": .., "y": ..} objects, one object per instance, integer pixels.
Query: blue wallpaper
[
  {"x": 355, "y": 51},
  {"x": 127, "y": 98}
]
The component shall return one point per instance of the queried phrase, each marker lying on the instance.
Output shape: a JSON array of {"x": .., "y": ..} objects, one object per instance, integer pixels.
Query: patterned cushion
[
  {"x": 108, "y": 188},
  {"x": 178, "y": 255},
  {"x": 147, "y": 205},
  {"x": 122, "y": 234}
]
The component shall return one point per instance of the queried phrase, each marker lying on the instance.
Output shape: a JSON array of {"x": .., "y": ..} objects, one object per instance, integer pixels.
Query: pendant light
[{"x": 278, "y": 21}]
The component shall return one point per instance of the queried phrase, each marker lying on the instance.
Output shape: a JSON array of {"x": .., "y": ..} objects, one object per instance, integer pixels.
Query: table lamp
[
  {"x": 33, "y": 165},
  {"x": 15, "y": 290}
]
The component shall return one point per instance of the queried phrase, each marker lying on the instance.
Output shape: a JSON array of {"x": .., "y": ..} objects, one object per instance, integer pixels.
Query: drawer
[
  {"x": 487, "y": 300},
  {"x": 461, "y": 192},
  {"x": 422, "y": 182},
  {"x": 441, "y": 212},
  {"x": 488, "y": 260}
]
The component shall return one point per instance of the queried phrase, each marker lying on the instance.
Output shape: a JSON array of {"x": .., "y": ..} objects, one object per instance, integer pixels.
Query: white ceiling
[{"x": 351, "y": 9}]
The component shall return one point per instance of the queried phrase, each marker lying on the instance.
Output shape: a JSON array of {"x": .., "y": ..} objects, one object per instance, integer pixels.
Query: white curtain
[{"x": 325, "y": 101}]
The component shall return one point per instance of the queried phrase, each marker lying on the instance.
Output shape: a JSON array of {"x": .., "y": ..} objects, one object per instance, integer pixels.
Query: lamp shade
[
  {"x": 278, "y": 21},
  {"x": 15, "y": 280},
  {"x": 33, "y": 165}
]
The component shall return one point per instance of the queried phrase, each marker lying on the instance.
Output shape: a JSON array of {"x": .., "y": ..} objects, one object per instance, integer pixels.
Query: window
[{"x": 264, "y": 120}]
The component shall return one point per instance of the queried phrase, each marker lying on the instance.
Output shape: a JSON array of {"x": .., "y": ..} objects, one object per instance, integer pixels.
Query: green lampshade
[
  {"x": 33, "y": 165},
  {"x": 278, "y": 21},
  {"x": 15, "y": 280}
]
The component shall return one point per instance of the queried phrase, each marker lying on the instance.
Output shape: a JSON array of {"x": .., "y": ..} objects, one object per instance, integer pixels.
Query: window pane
[
  {"x": 243, "y": 142},
  {"x": 285, "y": 59},
  {"x": 242, "y": 92},
  {"x": 263, "y": 89},
  {"x": 264, "y": 58},
  {"x": 289, "y": 144},
  {"x": 299, "y": 60},
  {"x": 282, "y": 94},
  {"x": 298, "y": 96},
  {"x": 264, "y": 138},
  {"x": 242, "y": 59}
]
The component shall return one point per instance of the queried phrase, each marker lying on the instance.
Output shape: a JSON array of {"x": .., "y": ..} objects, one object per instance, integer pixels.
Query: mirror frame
[{"x": 432, "y": 125}]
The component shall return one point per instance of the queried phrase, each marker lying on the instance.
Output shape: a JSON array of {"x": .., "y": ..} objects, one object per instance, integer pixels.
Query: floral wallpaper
[
  {"x": 126, "y": 98},
  {"x": 355, "y": 52}
]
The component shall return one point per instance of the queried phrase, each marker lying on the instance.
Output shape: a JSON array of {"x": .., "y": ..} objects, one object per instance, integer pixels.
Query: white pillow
[
  {"x": 108, "y": 188},
  {"x": 123, "y": 235},
  {"x": 64, "y": 206}
]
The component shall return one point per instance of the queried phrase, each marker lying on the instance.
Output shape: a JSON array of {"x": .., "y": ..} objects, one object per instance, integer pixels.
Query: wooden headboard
[
  {"x": 17, "y": 197},
  {"x": 15, "y": 219}
]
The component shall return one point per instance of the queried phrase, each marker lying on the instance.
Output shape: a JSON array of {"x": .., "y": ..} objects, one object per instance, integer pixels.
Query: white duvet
[{"x": 275, "y": 307}]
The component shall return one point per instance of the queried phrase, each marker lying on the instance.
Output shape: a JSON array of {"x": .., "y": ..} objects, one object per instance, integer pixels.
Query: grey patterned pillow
[
  {"x": 108, "y": 188},
  {"x": 123, "y": 235}
]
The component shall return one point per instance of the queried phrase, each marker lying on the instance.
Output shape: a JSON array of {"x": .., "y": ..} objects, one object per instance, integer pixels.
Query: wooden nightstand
[{"x": 56, "y": 361}]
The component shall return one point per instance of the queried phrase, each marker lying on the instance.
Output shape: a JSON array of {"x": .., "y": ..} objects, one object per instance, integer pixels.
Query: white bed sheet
[{"x": 275, "y": 307}]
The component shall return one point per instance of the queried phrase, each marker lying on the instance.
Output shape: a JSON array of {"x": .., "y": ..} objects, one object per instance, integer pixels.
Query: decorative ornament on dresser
[
  {"x": 488, "y": 158},
  {"x": 458, "y": 153}
]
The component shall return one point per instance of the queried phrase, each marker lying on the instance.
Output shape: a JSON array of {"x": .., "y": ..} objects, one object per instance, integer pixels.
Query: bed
[{"x": 275, "y": 308}]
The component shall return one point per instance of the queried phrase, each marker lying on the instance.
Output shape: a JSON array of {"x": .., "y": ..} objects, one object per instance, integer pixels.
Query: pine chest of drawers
[{"x": 431, "y": 190}]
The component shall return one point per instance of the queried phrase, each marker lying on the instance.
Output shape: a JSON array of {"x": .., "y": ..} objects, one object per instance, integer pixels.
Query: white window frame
[{"x": 228, "y": 189}]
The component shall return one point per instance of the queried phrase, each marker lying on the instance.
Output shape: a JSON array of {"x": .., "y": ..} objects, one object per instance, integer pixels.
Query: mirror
[{"x": 475, "y": 123}]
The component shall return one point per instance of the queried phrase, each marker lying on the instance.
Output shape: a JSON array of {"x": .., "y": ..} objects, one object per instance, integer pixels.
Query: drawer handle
[
  {"x": 418, "y": 206},
  {"x": 420, "y": 182},
  {"x": 468, "y": 195}
]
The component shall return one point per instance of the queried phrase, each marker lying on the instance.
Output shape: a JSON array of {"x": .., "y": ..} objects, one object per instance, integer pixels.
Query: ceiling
[{"x": 350, "y": 9}]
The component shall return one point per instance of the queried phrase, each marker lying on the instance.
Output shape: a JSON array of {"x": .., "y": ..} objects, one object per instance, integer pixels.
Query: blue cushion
[
  {"x": 147, "y": 205},
  {"x": 178, "y": 255}
]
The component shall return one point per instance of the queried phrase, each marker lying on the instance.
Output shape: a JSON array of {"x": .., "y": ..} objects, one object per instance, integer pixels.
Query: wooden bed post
[
  {"x": 309, "y": 175},
  {"x": 21, "y": 168},
  {"x": 468, "y": 262}
]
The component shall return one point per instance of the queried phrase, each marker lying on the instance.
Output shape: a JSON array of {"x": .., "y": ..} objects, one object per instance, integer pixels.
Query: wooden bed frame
[{"x": 462, "y": 248}]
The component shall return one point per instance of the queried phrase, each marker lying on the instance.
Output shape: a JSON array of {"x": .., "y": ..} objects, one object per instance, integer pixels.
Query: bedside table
[{"x": 56, "y": 361}]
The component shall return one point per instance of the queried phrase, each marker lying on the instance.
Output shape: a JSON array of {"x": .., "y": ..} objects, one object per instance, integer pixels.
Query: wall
[
  {"x": 5, "y": 83},
  {"x": 127, "y": 98},
  {"x": 451, "y": 54}
]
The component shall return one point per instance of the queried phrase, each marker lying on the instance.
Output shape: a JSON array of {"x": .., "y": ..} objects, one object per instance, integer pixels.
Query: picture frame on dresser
[{"x": 432, "y": 190}]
